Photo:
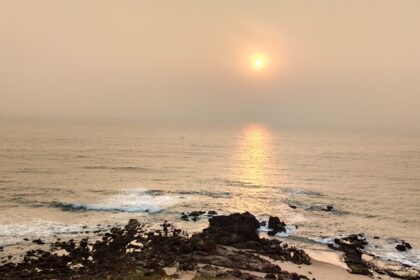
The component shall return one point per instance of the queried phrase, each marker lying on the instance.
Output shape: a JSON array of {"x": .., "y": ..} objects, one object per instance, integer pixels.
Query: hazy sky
[{"x": 351, "y": 63}]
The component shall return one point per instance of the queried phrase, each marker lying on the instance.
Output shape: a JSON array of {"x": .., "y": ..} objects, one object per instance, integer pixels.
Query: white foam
[
  {"x": 290, "y": 229},
  {"x": 12, "y": 233},
  {"x": 387, "y": 251},
  {"x": 383, "y": 251},
  {"x": 135, "y": 200}
]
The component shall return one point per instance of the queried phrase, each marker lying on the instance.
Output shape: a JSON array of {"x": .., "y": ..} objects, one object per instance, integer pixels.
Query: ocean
[{"x": 65, "y": 178}]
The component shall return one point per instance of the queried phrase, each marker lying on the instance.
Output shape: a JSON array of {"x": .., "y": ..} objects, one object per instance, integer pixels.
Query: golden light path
[{"x": 254, "y": 155}]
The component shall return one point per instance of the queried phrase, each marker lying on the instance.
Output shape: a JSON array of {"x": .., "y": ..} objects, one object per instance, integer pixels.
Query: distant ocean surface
[{"x": 63, "y": 178}]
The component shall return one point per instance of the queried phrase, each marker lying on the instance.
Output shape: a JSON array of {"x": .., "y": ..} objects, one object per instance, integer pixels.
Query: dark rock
[
  {"x": 329, "y": 208},
  {"x": 196, "y": 213},
  {"x": 133, "y": 224},
  {"x": 351, "y": 246},
  {"x": 211, "y": 213},
  {"x": 184, "y": 217},
  {"x": 234, "y": 222},
  {"x": 376, "y": 237},
  {"x": 401, "y": 247},
  {"x": 276, "y": 225},
  {"x": 407, "y": 245},
  {"x": 358, "y": 268},
  {"x": 263, "y": 223},
  {"x": 231, "y": 229},
  {"x": 203, "y": 244},
  {"x": 38, "y": 241},
  {"x": 292, "y": 206}
]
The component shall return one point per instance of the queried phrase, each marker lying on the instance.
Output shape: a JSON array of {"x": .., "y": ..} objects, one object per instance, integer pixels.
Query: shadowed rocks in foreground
[
  {"x": 230, "y": 248},
  {"x": 132, "y": 251}
]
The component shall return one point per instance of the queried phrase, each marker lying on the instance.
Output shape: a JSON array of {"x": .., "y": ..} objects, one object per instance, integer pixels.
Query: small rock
[
  {"x": 38, "y": 241},
  {"x": 407, "y": 245},
  {"x": 196, "y": 213},
  {"x": 270, "y": 276},
  {"x": 329, "y": 208},
  {"x": 212, "y": 212},
  {"x": 401, "y": 247},
  {"x": 292, "y": 206}
]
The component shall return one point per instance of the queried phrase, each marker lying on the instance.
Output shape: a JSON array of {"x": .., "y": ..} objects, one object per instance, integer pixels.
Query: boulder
[
  {"x": 235, "y": 222},
  {"x": 276, "y": 225},
  {"x": 233, "y": 228}
]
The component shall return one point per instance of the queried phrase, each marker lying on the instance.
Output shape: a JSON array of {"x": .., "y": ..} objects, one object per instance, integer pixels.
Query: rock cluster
[
  {"x": 404, "y": 246},
  {"x": 195, "y": 215},
  {"x": 239, "y": 231},
  {"x": 360, "y": 262},
  {"x": 351, "y": 246},
  {"x": 131, "y": 251}
]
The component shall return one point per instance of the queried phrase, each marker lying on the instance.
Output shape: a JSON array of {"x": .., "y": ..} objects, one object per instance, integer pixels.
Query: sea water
[{"x": 64, "y": 178}]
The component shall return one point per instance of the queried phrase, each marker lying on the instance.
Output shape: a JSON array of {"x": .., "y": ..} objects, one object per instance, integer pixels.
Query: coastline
[{"x": 230, "y": 248}]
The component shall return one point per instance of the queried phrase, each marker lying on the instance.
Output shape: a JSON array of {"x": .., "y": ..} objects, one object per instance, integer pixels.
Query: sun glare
[{"x": 258, "y": 61}]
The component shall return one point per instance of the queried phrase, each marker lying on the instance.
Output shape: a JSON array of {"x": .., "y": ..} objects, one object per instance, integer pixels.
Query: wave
[
  {"x": 14, "y": 233},
  {"x": 302, "y": 192},
  {"x": 120, "y": 168},
  {"x": 137, "y": 200},
  {"x": 236, "y": 183},
  {"x": 383, "y": 250},
  {"x": 316, "y": 207},
  {"x": 206, "y": 193},
  {"x": 290, "y": 229}
]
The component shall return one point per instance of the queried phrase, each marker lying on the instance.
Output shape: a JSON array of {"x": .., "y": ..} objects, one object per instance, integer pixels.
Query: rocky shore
[{"x": 229, "y": 248}]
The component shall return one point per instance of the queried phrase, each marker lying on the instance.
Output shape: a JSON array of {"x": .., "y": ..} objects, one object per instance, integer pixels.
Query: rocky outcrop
[
  {"x": 359, "y": 262},
  {"x": 276, "y": 225},
  {"x": 232, "y": 229},
  {"x": 351, "y": 247},
  {"x": 240, "y": 231},
  {"x": 131, "y": 251}
]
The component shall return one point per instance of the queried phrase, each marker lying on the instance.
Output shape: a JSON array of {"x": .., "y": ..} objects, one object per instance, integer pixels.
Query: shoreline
[{"x": 206, "y": 254}]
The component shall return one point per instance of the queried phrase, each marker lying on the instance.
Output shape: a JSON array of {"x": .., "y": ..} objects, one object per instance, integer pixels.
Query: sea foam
[{"x": 133, "y": 200}]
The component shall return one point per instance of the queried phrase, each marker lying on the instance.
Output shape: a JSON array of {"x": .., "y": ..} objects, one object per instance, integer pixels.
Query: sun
[{"x": 258, "y": 61}]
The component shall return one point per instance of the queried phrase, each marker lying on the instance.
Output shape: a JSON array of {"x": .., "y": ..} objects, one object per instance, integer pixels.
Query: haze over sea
[{"x": 62, "y": 178}]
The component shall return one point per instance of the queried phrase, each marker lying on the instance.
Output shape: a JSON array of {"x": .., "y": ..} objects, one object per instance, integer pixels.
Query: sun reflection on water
[{"x": 254, "y": 151}]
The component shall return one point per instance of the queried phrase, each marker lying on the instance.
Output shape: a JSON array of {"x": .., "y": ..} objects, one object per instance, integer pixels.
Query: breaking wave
[{"x": 137, "y": 200}]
